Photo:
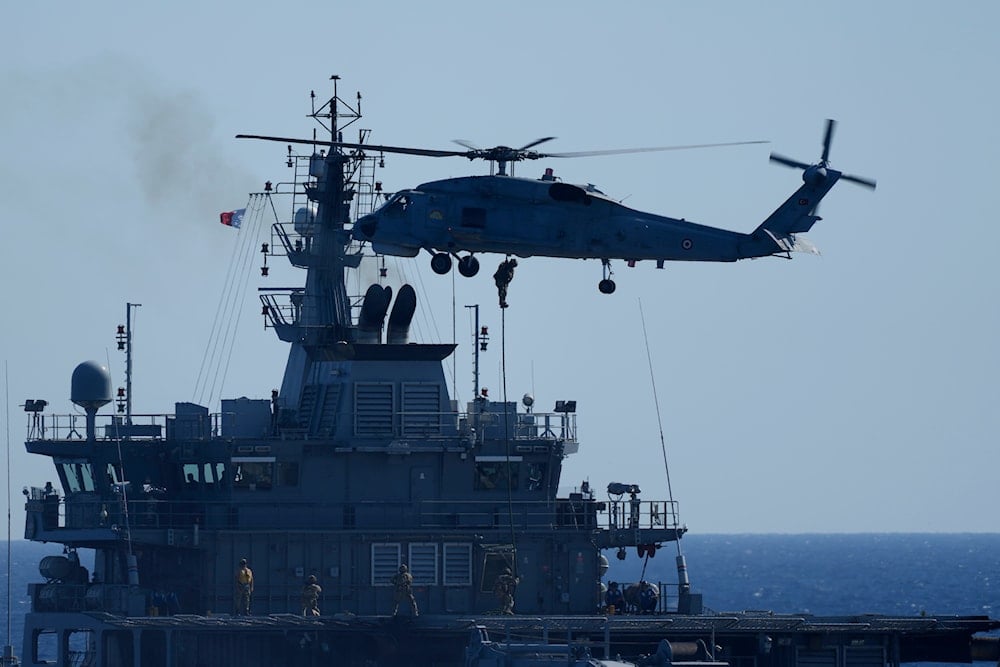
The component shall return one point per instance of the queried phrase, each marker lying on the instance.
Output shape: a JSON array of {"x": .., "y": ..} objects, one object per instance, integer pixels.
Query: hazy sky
[{"x": 855, "y": 391}]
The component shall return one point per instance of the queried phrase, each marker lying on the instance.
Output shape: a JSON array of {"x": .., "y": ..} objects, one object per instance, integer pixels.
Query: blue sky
[{"x": 855, "y": 391}]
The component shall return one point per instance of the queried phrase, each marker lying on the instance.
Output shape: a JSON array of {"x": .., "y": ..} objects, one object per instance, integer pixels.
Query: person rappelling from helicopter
[{"x": 503, "y": 277}]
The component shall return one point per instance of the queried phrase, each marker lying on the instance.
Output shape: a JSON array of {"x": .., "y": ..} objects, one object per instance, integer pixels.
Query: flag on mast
[{"x": 232, "y": 218}]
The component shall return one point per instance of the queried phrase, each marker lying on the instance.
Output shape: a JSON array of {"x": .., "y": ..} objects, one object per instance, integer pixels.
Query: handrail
[
  {"x": 418, "y": 425},
  {"x": 157, "y": 510}
]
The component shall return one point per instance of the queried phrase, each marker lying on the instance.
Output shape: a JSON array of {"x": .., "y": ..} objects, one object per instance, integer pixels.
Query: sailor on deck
[
  {"x": 244, "y": 588},
  {"x": 310, "y": 597},
  {"x": 403, "y": 583},
  {"x": 504, "y": 589}
]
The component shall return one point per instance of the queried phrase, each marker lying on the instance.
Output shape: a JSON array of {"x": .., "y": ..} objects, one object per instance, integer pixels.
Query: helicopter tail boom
[{"x": 797, "y": 214}]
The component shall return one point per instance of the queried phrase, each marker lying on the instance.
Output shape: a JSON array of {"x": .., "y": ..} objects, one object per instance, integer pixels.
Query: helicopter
[{"x": 500, "y": 213}]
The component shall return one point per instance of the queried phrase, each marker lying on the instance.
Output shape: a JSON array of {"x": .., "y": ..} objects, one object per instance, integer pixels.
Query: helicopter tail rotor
[{"x": 813, "y": 173}]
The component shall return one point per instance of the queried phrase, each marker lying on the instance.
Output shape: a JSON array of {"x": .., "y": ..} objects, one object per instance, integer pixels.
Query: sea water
[{"x": 823, "y": 574}]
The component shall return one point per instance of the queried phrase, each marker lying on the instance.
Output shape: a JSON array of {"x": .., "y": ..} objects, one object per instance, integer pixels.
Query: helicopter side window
[
  {"x": 397, "y": 204},
  {"x": 473, "y": 216},
  {"x": 569, "y": 193}
]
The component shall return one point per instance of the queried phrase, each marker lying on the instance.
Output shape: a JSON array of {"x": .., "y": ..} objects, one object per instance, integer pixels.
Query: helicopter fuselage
[{"x": 546, "y": 217}]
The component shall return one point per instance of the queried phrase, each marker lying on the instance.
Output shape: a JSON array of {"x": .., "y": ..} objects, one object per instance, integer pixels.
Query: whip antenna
[{"x": 682, "y": 577}]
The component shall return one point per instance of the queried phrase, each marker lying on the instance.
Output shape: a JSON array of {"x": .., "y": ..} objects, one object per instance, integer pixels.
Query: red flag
[{"x": 232, "y": 218}]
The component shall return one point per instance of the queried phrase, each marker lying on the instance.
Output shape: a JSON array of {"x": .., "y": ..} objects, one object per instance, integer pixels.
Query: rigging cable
[
  {"x": 506, "y": 433},
  {"x": 240, "y": 257},
  {"x": 6, "y": 401},
  {"x": 255, "y": 234},
  {"x": 233, "y": 290},
  {"x": 216, "y": 322}
]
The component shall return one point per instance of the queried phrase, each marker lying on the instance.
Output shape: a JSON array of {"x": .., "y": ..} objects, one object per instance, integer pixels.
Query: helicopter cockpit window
[{"x": 397, "y": 204}]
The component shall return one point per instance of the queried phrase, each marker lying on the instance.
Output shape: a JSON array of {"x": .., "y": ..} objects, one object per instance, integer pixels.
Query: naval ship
[{"x": 362, "y": 463}]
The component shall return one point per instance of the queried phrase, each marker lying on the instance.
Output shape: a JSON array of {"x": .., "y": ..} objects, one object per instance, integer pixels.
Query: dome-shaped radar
[{"x": 91, "y": 386}]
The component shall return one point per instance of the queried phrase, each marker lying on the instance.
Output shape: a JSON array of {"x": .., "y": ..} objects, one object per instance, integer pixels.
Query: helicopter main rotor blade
[
  {"x": 368, "y": 147},
  {"x": 624, "y": 151},
  {"x": 495, "y": 153},
  {"x": 789, "y": 162},
  {"x": 535, "y": 143},
  {"x": 830, "y": 125},
  {"x": 468, "y": 144},
  {"x": 860, "y": 180}
]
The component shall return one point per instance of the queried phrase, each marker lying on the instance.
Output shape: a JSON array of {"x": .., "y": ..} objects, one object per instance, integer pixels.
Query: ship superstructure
[{"x": 360, "y": 463}]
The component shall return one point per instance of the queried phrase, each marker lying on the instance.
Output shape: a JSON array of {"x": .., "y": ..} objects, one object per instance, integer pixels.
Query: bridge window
[
  {"x": 45, "y": 647},
  {"x": 496, "y": 472},
  {"x": 81, "y": 647},
  {"x": 536, "y": 476},
  {"x": 79, "y": 476},
  {"x": 253, "y": 473}
]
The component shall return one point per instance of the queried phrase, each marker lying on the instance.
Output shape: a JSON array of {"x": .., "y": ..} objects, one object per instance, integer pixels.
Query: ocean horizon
[{"x": 899, "y": 574}]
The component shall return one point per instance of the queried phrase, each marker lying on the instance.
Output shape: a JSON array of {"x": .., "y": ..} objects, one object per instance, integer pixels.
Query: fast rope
[{"x": 503, "y": 276}]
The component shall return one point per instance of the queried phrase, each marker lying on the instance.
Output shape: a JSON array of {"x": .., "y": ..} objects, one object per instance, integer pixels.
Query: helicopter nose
[{"x": 365, "y": 227}]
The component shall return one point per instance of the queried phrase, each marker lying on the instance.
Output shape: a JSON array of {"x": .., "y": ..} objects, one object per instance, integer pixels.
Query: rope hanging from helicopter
[{"x": 506, "y": 416}]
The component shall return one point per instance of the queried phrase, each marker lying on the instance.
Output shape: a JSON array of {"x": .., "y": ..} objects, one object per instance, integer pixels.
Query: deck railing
[
  {"x": 137, "y": 511},
  {"x": 546, "y": 426}
]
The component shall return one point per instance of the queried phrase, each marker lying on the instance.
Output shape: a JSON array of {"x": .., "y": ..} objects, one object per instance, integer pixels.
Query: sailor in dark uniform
[
  {"x": 503, "y": 276},
  {"x": 310, "y": 597}
]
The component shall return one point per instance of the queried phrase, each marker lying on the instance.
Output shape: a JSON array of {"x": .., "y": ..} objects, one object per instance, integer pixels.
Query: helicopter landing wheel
[
  {"x": 468, "y": 266},
  {"x": 441, "y": 263},
  {"x": 607, "y": 286}
]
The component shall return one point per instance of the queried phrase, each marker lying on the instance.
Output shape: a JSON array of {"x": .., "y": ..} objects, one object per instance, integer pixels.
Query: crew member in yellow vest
[{"x": 244, "y": 588}]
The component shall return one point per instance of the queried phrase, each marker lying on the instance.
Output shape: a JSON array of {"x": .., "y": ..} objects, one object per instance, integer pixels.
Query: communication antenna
[
  {"x": 683, "y": 582},
  {"x": 124, "y": 337},
  {"x": 8, "y": 657},
  {"x": 480, "y": 339}
]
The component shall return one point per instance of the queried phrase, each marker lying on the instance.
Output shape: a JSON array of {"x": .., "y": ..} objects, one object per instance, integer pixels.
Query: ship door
[{"x": 423, "y": 483}]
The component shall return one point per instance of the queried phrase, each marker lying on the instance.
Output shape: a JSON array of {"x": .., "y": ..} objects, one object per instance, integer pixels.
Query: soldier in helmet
[
  {"x": 504, "y": 589},
  {"x": 403, "y": 583},
  {"x": 502, "y": 278},
  {"x": 310, "y": 597}
]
